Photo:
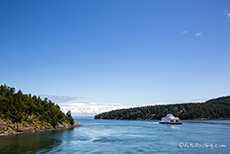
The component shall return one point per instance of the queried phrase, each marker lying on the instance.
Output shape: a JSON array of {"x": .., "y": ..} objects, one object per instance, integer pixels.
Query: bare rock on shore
[{"x": 9, "y": 128}]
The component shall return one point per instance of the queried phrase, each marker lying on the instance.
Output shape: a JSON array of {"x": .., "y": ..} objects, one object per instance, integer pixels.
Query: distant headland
[
  {"x": 22, "y": 113},
  {"x": 218, "y": 108}
]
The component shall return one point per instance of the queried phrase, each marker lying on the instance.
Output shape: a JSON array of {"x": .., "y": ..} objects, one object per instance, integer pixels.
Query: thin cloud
[
  {"x": 184, "y": 32},
  {"x": 199, "y": 34},
  {"x": 227, "y": 13},
  {"x": 60, "y": 99},
  {"x": 202, "y": 100}
]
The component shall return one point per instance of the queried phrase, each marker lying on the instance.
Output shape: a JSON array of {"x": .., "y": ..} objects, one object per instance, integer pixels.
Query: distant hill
[
  {"x": 25, "y": 113},
  {"x": 221, "y": 100},
  {"x": 218, "y": 108}
]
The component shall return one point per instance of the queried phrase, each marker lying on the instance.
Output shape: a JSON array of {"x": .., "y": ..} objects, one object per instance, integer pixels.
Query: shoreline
[{"x": 8, "y": 130}]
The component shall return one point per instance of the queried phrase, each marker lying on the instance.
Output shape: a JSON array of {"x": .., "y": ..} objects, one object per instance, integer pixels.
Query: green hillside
[
  {"x": 16, "y": 107},
  {"x": 212, "y": 109},
  {"x": 221, "y": 100}
]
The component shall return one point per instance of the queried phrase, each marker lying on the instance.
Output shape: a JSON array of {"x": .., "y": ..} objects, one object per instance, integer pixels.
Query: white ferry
[{"x": 170, "y": 119}]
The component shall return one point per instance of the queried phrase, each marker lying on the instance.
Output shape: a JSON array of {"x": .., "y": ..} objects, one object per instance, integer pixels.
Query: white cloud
[
  {"x": 82, "y": 109},
  {"x": 184, "y": 32},
  {"x": 92, "y": 108},
  {"x": 92, "y": 103},
  {"x": 199, "y": 34},
  {"x": 227, "y": 13}
]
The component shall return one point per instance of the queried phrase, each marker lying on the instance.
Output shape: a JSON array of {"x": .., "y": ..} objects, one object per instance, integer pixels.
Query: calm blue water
[{"x": 123, "y": 136}]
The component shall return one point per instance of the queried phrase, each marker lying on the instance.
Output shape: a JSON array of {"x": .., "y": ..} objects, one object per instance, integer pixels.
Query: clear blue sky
[{"x": 117, "y": 51}]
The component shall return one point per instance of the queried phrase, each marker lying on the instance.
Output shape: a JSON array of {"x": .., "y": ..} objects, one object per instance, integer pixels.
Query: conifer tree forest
[
  {"x": 212, "y": 109},
  {"x": 19, "y": 107}
]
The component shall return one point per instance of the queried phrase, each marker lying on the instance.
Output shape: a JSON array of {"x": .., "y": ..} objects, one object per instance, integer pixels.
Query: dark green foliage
[
  {"x": 69, "y": 117},
  {"x": 221, "y": 100},
  {"x": 19, "y": 107},
  {"x": 213, "y": 109}
]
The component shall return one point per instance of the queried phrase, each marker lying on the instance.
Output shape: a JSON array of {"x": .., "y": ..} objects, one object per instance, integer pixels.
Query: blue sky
[{"x": 129, "y": 52}]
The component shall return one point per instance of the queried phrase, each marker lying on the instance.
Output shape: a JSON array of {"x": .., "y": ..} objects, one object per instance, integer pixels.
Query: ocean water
[{"x": 125, "y": 136}]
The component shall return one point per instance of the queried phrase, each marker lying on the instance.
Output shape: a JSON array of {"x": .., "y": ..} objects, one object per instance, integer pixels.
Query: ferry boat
[{"x": 170, "y": 119}]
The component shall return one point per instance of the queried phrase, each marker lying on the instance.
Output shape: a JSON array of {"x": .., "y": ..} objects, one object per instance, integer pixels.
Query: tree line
[
  {"x": 212, "y": 109},
  {"x": 19, "y": 107}
]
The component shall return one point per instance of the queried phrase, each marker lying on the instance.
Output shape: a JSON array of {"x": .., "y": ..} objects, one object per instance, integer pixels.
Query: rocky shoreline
[{"x": 8, "y": 128}]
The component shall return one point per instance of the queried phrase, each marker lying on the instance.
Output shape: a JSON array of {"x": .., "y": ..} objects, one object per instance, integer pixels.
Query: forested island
[
  {"x": 23, "y": 113},
  {"x": 212, "y": 109}
]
